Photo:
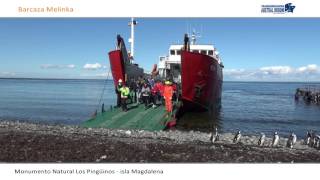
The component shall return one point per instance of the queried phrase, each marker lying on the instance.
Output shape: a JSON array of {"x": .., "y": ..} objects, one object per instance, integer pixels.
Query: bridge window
[
  {"x": 210, "y": 53},
  {"x": 179, "y": 52},
  {"x": 172, "y": 52},
  {"x": 162, "y": 58},
  {"x": 203, "y": 52},
  {"x": 195, "y": 51}
]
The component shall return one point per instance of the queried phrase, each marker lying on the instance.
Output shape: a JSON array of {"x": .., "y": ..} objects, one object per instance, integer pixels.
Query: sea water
[
  {"x": 267, "y": 107},
  {"x": 53, "y": 101},
  {"x": 251, "y": 107}
]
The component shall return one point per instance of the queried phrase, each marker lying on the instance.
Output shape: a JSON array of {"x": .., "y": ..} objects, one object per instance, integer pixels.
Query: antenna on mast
[
  {"x": 132, "y": 23},
  {"x": 194, "y": 37}
]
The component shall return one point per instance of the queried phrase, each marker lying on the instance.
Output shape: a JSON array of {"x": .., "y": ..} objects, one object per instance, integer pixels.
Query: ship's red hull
[
  {"x": 201, "y": 81},
  {"x": 122, "y": 69},
  {"x": 117, "y": 66}
]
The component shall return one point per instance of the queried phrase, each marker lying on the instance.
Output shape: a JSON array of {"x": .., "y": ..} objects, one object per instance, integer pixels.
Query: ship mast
[
  {"x": 194, "y": 37},
  {"x": 132, "y": 23}
]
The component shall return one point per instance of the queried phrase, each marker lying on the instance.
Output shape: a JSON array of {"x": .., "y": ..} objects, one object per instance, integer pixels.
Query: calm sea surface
[{"x": 249, "y": 106}]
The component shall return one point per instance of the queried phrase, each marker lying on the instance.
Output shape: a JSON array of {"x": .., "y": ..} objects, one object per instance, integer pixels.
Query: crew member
[
  {"x": 119, "y": 86},
  {"x": 124, "y": 91},
  {"x": 167, "y": 94}
]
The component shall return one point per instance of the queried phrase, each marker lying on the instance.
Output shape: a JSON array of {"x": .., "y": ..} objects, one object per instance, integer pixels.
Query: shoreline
[{"x": 27, "y": 142}]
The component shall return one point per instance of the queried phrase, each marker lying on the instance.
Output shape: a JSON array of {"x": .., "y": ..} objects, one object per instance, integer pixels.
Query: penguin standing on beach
[
  {"x": 237, "y": 137},
  {"x": 291, "y": 140},
  {"x": 317, "y": 142},
  {"x": 312, "y": 139},
  {"x": 214, "y": 136},
  {"x": 275, "y": 139},
  {"x": 294, "y": 138},
  {"x": 261, "y": 139},
  {"x": 308, "y": 138}
]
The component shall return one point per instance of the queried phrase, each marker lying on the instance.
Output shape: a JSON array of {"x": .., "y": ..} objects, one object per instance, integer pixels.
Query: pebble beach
[{"x": 27, "y": 142}]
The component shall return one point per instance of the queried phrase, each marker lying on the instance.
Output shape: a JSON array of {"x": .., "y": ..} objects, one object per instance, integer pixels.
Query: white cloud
[
  {"x": 311, "y": 68},
  {"x": 105, "y": 75},
  {"x": 57, "y": 66},
  {"x": 90, "y": 75},
  {"x": 71, "y": 66},
  {"x": 92, "y": 66},
  {"x": 276, "y": 70},
  {"x": 309, "y": 72},
  {"x": 237, "y": 73},
  {"x": 7, "y": 74},
  {"x": 234, "y": 71}
]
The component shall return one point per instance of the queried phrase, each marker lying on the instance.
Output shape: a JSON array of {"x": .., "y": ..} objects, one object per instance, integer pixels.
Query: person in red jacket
[
  {"x": 159, "y": 86},
  {"x": 167, "y": 94},
  {"x": 157, "y": 92}
]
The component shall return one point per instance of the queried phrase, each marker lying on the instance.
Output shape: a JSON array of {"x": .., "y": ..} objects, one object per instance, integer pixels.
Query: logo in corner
[
  {"x": 277, "y": 8},
  {"x": 289, "y": 7}
]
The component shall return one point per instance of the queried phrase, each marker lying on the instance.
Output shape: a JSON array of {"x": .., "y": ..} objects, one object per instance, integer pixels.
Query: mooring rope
[{"x": 102, "y": 93}]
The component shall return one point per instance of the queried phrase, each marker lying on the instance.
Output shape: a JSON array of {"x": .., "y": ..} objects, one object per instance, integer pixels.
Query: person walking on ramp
[
  {"x": 167, "y": 94},
  {"x": 119, "y": 86},
  {"x": 124, "y": 91},
  {"x": 145, "y": 93}
]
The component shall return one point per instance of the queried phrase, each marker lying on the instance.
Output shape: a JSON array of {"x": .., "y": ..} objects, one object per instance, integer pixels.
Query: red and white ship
[
  {"x": 198, "y": 68},
  {"x": 121, "y": 62}
]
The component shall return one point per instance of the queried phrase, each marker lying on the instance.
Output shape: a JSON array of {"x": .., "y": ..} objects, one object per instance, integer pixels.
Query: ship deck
[{"x": 137, "y": 118}]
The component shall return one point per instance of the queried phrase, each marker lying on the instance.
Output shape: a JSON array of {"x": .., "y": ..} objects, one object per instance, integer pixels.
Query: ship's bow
[{"x": 201, "y": 80}]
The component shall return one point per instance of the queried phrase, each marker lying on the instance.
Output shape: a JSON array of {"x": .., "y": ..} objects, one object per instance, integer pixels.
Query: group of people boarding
[{"x": 147, "y": 92}]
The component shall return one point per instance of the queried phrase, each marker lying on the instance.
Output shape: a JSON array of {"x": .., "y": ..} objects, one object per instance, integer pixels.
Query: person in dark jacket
[
  {"x": 145, "y": 93},
  {"x": 119, "y": 86},
  {"x": 133, "y": 90}
]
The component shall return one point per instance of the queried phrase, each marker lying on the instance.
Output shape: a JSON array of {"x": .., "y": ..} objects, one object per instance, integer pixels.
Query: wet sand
[{"x": 25, "y": 142}]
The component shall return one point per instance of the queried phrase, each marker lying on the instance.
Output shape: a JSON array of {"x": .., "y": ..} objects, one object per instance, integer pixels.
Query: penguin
[
  {"x": 313, "y": 139},
  {"x": 294, "y": 138},
  {"x": 237, "y": 137},
  {"x": 317, "y": 142},
  {"x": 261, "y": 139},
  {"x": 214, "y": 136},
  {"x": 217, "y": 134},
  {"x": 275, "y": 139},
  {"x": 291, "y": 140},
  {"x": 308, "y": 138}
]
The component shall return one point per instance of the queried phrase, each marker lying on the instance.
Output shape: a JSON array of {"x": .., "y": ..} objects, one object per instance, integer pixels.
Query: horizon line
[{"x": 253, "y": 81}]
